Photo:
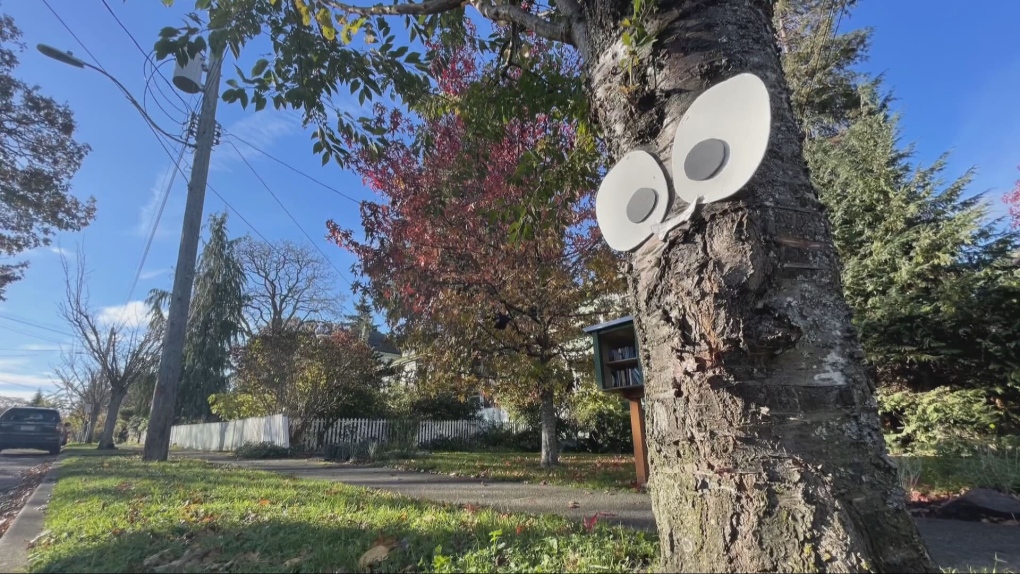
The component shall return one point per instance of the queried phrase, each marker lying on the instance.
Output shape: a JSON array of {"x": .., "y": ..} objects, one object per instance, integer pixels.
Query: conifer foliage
[{"x": 930, "y": 276}]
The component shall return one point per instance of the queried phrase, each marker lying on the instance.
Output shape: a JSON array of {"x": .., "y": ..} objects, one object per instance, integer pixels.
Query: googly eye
[
  {"x": 722, "y": 139},
  {"x": 633, "y": 198}
]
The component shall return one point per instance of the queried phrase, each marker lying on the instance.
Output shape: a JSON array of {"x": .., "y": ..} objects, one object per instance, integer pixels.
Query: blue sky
[{"x": 954, "y": 68}]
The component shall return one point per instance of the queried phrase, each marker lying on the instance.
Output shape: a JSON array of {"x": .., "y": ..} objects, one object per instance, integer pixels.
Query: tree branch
[
  {"x": 559, "y": 31},
  {"x": 408, "y": 9}
]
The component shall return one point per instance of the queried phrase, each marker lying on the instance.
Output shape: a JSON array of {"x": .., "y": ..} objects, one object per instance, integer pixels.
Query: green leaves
[{"x": 259, "y": 67}]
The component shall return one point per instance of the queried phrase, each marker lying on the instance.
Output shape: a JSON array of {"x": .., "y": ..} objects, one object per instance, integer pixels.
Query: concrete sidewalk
[
  {"x": 27, "y": 525},
  {"x": 967, "y": 546}
]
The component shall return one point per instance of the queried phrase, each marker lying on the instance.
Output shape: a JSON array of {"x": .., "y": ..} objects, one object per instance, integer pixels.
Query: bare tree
[
  {"x": 83, "y": 387},
  {"x": 121, "y": 354},
  {"x": 285, "y": 281}
]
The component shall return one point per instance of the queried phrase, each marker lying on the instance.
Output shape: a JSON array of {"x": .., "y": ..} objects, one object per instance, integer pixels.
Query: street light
[
  {"x": 65, "y": 57},
  {"x": 72, "y": 60}
]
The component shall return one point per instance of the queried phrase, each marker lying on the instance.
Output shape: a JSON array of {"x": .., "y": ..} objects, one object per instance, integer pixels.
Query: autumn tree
[
  {"x": 764, "y": 443},
  {"x": 120, "y": 354},
  {"x": 38, "y": 158},
  {"x": 480, "y": 299},
  {"x": 215, "y": 320},
  {"x": 284, "y": 282},
  {"x": 1012, "y": 200},
  {"x": 306, "y": 377}
]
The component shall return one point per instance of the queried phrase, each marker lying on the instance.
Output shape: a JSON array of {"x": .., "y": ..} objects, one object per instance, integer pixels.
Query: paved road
[
  {"x": 967, "y": 546},
  {"x": 14, "y": 462}
]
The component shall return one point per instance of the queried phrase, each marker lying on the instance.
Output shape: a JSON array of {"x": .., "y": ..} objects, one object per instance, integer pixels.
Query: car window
[{"x": 30, "y": 416}]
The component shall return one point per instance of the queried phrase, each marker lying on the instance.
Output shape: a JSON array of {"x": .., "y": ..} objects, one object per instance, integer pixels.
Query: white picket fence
[
  {"x": 232, "y": 434},
  {"x": 347, "y": 431}
]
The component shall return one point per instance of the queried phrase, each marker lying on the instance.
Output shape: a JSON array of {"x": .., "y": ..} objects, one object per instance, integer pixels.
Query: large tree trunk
[
  {"x": 764, "y": 445},
  {"x": 550, "y": 443},
  {"x": 106, "y": 439}
]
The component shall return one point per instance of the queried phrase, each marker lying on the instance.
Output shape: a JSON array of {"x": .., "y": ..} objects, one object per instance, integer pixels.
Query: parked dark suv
[{"x": 31, "y": 427}]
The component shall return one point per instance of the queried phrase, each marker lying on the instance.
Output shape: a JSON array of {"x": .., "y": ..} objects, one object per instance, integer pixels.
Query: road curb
[{"x": 27, "y": 524}]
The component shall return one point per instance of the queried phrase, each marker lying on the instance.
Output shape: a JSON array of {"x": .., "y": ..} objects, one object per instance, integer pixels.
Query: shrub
[
  {"x": 922, "y": 421},
  {"x": 365, "y": 450},
  {"x": 261, "y": 450},
  {"x": 504, "y": 438}
]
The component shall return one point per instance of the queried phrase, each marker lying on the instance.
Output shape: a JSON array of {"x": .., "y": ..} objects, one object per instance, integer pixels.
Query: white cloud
[
  {"x": 13, "y": 384},
  {"x": 133, "y": 314},
  {"x": 154, "y": 273},
  {"x": 259, "y": 129},
  {"x": 39, "y": 347},
  {"x": 148, "y": 211},
  {"x": 60, "y": 251}
]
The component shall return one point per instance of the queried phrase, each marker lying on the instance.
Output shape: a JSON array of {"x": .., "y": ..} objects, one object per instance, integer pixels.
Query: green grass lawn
[
  {"x": 591, "y": 471},
  {"x": 117, "y": 514}
]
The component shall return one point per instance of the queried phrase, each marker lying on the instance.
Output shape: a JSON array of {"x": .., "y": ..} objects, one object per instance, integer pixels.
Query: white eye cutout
[
  {"x": 632, "y": 199},
  {"x": 722, "y": 139},
  {"x": 719, "y": 144}
]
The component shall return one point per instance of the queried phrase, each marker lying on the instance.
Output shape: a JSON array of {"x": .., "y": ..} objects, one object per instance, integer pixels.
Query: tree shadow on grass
[
  {"x": 291, "y": 523},
  {"x": 281, "y": 545}
]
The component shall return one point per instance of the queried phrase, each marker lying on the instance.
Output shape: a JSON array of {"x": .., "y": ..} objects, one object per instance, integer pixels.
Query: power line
[
  {"x": 284, "y": 208},
  {"x": 292, "y": 168},
  {"x": 29, "y": 387},
  {"x": 75, "y": 36},
  {"x": 36, "y": 325},
  {"x": 210, "y": 188},
  {"x": 141, "y": 109},
  {"x": 34, "y": 335},
  {"x": 140, "y": 49},
  {"x": 155, "y": 223},
  {"x": 23, "y": 318},
  {"x": 154, "y": 88}
]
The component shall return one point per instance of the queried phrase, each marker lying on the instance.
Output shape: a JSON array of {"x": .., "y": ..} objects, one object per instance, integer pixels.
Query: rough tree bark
[
  {"x": 764, "y": 446},
  {"x": 90, "y": 432},
  {"x": 106, "y": 439},
  {"x": 550, "y": 443}
]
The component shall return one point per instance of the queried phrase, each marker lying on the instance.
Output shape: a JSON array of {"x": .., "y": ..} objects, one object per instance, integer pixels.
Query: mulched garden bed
[{"x": 978, "y": 505}]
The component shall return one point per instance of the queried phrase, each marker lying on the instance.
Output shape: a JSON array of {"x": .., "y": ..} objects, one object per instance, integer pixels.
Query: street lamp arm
[{"x": 70, "y": 59}]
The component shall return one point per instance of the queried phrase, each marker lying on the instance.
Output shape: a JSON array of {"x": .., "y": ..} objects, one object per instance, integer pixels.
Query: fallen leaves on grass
[
  {"x": 296, "y": 560},
  {"x": 156, "y": 559},
  {"x": 39, "y": 538},
  {"x": 379, "y": 551},
  {"x": 190, "y": 557}
]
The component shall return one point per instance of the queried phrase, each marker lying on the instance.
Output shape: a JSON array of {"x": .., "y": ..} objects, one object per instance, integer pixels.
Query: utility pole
[{"x": 164, "y": 398}]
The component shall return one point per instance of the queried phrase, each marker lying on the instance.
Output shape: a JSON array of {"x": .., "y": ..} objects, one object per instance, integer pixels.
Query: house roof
[{"x": 381, "y": 343}]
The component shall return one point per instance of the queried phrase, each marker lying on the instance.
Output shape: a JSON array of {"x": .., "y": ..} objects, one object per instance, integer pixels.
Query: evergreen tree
[
  {"x": 214, "y": 322},
  {"x": 37, "y": 399},
  {"x": 930, "y": 279},
  {"x": 361, "y": 322}
]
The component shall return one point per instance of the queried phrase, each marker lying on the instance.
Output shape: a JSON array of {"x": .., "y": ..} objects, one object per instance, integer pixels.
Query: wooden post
[{"x": 637, "y": 430}]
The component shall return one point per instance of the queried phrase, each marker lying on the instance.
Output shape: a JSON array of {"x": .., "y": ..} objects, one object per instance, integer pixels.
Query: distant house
[
  {"x": 406, "y": 370},
  {"x": 379, "y": 342}
]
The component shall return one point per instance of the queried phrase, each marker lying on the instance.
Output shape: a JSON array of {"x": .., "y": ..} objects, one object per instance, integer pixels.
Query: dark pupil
[
  {"x": 641, "y": 204},
  {"x": 705, "y": 159}
]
